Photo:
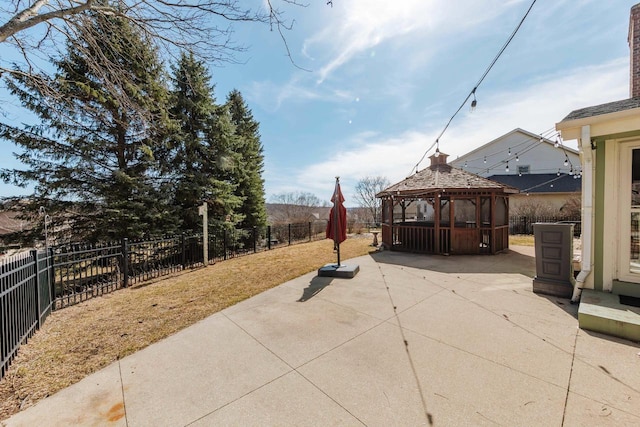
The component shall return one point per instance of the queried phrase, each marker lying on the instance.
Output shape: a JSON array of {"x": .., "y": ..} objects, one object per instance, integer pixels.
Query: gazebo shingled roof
[{"x": 443, "y": 176}]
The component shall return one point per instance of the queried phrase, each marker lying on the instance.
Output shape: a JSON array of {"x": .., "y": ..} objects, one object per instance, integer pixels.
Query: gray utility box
[{"x": 554, "y": 259}]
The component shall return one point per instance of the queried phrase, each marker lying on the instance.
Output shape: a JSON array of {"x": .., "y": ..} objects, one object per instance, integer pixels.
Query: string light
[
  {"x": 513, "y": 153},
  {"x": 558, "y": 172},
  {"x": 507, "y": 168},
  {"x": 557, "y": 144},
  {"x": 474, "y": 102}
]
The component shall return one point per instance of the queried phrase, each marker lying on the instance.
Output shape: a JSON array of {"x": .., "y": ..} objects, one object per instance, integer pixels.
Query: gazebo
[{"x": 446, "y": 210}]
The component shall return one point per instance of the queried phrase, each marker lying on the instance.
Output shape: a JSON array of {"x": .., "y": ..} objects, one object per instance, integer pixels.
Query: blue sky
[{"x": 385, "y": 77}]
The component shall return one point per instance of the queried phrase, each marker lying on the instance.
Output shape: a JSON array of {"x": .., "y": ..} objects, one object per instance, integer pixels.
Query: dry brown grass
[
  {"x": 521, "y": 240},
  {"x": 82, "y": 339}
]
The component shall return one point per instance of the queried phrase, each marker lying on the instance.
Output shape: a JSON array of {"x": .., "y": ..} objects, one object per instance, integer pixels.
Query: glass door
[
  {"x": 629, "y": 213},
  {"x": 634, "y": 213}
]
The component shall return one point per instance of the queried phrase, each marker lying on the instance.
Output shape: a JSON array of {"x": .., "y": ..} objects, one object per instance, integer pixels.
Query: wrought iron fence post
[
  {"x": 289, "y": 234},
  {"x": 255, "y": 248},
  {"x": 269, "y": 237},
  {"x": 125, "y": 262},
  {"x": 51, "y": 276},
  {"x": 224, "y": 242},
  {"x": 183, "y": 246},
  {"x": 34, "y": 254}
]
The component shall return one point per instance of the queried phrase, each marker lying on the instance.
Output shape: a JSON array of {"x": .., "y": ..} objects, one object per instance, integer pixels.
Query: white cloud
[
  {"x": 362, "y": 25},
  {"x": 536, "y": 108},
  {"x": 270, "y": 96}
]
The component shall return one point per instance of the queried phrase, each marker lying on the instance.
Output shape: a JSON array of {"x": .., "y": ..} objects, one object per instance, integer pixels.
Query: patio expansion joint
[
  {"x": 482, "y": 307},
  {"x": 427, "y": 414},
  {"x": 292, "y": 369},
  {"x": 486, "y": 359},
  {"x": 573, "y": 359},
  {"x": 499, "y": 315},
  {"x": 124, "y": 402}
]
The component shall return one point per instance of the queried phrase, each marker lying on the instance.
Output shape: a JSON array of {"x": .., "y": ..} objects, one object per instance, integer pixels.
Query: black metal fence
[
  {"x": 25, "y": 300},
  {"x": 524, "y": 224},
  {"x": 33, "y": 283}
]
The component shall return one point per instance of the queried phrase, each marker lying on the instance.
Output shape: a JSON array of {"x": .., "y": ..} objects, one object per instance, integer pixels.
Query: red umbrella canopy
[{"x": 337, "y": 226}]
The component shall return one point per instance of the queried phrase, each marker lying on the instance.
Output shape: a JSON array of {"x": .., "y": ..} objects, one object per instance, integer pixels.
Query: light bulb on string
[
  {"x": 507, "y": 168},
  {"x": 566, "y": 160},
  {"x": 517, "y": 158},
  {"x": 509, "y": 153},
  {"x": 571, "y": 171},
  {"x": 558, "y": 172},
  {"x": 557, "y": 143},
  {"x": 465, "y": 164},
  {"x": 485, "y": 159},
  {"x": 474, "y": 103}
]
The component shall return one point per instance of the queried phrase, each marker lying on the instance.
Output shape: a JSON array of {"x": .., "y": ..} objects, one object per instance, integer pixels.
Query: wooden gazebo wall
[{"x": 477, "y": 236}]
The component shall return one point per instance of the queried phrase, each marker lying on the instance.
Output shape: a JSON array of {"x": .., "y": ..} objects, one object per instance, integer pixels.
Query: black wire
[{"x": 477, "y": 85}]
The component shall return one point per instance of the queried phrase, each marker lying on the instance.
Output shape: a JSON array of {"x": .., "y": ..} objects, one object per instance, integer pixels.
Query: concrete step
[{"x": 602, "y": 312}]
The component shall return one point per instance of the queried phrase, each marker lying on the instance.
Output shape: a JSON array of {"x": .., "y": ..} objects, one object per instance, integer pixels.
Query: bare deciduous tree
[
  {"x": 294, "y": 207},
  {"x": 34, "y": 31},
  {"x": 366, "y": 190}
]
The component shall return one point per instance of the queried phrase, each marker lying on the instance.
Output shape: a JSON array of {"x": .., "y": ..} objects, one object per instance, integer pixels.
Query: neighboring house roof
[
  {"x": 541, "y": 183},
  {"x": 526, "y": 133},
  {"x": 609, "y": 107},
  {"x": 443, "y": 176}
]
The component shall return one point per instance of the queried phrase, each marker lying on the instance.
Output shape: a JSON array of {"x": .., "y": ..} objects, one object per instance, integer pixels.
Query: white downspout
[{"x": 588, "y": 173}]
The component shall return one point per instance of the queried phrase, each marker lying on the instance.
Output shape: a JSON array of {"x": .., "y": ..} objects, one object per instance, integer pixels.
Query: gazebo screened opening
[{"x": 445, "y": 210}]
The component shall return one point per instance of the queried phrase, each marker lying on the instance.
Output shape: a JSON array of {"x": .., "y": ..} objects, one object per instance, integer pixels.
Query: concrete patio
[{"x": 411, "y": 340}]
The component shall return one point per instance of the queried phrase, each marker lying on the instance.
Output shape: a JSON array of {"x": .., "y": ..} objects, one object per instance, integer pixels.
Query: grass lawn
[{"x": 82, "y": 339}]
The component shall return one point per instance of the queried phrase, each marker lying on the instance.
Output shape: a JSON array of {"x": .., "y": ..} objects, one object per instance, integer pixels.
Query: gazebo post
[
  {"x": 436, "y": 225},
  {"x": 493, "y": 223}
]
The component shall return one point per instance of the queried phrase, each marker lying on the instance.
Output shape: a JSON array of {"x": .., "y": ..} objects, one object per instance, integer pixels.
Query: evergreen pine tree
[
  {"x": 91, "y": 159},
  {"x": 202, "y": 152},
  {"x": 248, "y": 174}
]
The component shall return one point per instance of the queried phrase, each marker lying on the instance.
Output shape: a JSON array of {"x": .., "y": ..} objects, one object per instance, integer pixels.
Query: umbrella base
[{"x": 343, "y": 270}]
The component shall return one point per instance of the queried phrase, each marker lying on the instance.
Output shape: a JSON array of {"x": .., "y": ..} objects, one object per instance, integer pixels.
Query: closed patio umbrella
[{"x": 337, "y": 226}]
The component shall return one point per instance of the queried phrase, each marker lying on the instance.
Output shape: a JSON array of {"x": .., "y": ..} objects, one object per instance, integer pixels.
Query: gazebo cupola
[{"x": 445, "y": 210}]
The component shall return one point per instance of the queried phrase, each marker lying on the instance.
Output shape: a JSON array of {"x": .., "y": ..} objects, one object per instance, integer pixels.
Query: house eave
[{"x": 601, "y": 124}]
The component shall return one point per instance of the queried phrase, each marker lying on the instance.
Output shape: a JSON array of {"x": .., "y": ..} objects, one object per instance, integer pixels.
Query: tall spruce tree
[
  {"x": 202, "y": 152},
  {"x": 248, "y": 176},
  {"x": 91, "y": 158}
]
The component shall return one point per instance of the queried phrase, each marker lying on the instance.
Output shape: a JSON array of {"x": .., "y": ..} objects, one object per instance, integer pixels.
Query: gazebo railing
[
  {"x": 422, "y": 239},
  {"x": 416, "y": 238}
]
